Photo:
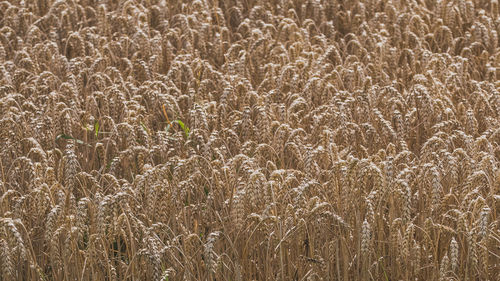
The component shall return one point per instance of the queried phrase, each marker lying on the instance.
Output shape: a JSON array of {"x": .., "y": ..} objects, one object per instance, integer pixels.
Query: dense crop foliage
[{"x": 249, "y": 140}]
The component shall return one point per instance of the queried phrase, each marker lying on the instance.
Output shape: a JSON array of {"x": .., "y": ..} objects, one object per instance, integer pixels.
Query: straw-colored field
[{"x": 249, "y": 140}]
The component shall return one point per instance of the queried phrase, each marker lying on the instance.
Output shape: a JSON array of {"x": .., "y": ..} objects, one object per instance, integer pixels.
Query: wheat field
[{"x": 249, "y": 140}]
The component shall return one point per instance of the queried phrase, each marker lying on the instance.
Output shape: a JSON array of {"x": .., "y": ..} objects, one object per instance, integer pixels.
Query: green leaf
[
  {"x": 63, "y": 136},
  {"x": 66, "y": 137},
  {"x": 184, "y": 127},
  {"x": 96, "y": 128},
  {"x": 144, "y": 127}
]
